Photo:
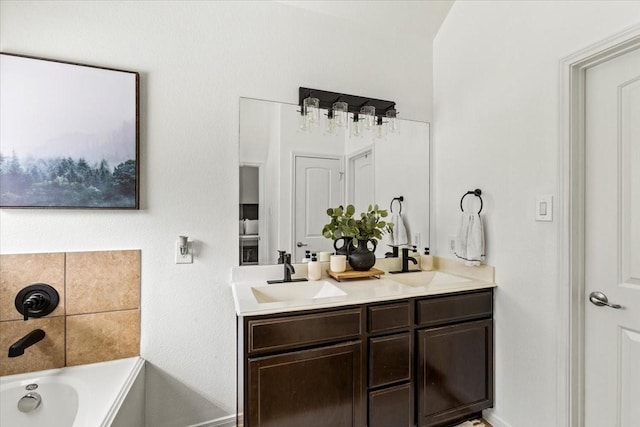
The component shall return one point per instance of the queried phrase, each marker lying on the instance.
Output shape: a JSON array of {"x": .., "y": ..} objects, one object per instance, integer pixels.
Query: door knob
[
  {"x": 600, "y": 299},
  {"x": 300, "y": 244}
]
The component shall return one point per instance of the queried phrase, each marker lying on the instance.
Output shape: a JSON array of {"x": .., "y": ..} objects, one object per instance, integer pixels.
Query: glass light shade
[
  {"x": 330, "y": 124},
  {"x": 392, "y": 122},
  {"x": 311, "y": 110},
  {"x": 369, "y": 116},
  {"x": 357, "y": 126},
  {"x": 340, "y": 113},
  {"x": 381, "y": 129},
  {"x": 303, "y": 124}
]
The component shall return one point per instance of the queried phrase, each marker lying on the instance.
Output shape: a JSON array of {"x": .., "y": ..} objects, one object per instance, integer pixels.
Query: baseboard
[
  {"x": 494, "y": 420},
  {"x": 228, "y": 421}
]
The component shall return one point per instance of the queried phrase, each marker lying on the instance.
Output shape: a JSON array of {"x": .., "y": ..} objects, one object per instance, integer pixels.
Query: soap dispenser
[
  {"x": 313, "y": 268},
  {"x": 426, "y": 261},
  {"x": 307, "y": 256}
]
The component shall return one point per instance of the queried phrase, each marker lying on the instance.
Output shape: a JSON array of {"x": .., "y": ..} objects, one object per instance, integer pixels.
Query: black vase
[
  {"x": 346, "y": 246},
  {"x": 361, "y": 258}
]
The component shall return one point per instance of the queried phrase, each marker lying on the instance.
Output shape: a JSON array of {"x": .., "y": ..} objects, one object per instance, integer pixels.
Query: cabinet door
[
  {"x": 319, "y": 387},
  {"x": 455, "y": 371}
]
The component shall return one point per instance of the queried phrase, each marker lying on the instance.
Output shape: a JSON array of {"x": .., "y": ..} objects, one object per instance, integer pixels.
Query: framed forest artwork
[{"x": 69, "y": 135}]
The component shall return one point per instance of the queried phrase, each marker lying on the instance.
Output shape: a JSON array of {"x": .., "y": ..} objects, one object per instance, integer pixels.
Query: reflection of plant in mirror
[{"x": 369, "y": 226}]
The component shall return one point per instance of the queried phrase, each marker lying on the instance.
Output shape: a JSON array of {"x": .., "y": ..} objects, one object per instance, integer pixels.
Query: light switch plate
[
  {"x": 544, "y": 208},
  {"x": 186, "y": 259}
]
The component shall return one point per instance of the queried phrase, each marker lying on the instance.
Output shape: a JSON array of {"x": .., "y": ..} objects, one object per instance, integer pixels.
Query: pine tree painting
[{"x": 68, "y": 135}]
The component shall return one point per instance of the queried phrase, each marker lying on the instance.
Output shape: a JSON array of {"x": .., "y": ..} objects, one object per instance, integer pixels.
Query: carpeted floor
[{"x": 474, "y": 423}]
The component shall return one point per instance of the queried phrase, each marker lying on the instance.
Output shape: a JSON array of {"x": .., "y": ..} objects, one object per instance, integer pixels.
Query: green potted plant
[{"x": 368, "y": 228}]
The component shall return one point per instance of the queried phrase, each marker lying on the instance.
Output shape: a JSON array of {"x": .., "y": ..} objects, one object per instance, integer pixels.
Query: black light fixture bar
[{"x": 327, "y": 99}]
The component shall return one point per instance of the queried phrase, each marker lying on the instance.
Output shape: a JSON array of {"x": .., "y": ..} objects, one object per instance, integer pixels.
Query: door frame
[{"x": 570, "y": 227}]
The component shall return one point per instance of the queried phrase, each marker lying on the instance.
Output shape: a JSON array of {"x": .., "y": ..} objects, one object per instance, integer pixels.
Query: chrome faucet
[
  {"x": 288, "y": 270},
  {"x": 18, "y": 347}
]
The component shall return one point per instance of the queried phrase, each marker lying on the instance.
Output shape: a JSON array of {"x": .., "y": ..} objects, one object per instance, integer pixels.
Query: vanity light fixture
[{"x": 368, "y": 113}]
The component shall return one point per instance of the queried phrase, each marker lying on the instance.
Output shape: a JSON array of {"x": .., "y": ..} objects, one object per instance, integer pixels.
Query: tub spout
[{"x": 18, "y": 347}]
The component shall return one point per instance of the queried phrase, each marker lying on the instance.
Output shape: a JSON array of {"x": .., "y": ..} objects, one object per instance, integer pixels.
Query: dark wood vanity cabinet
[
  {"x": 454, "y": 357},
  {"x": 417, "y": 362}
]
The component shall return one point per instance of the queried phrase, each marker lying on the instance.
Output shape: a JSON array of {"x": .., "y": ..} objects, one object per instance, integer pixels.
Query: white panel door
[
  {"x": 318, "y": 185},
  {"x": 612, "y": 243}
]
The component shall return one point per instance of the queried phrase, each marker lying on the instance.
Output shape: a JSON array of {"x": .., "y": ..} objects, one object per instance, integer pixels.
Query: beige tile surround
[
  {"x": 18, "y": 271},
  {"x": 97, "y": 319}
]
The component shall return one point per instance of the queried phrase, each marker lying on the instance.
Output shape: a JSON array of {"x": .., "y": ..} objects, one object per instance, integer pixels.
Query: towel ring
[
  {"x": 400, "y": 200},
  {"x": 477, "y": 192}
]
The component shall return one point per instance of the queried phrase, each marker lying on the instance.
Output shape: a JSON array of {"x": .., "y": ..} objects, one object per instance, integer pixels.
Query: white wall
[
  {"x": 196, "y": 59},
  {"x": 496, "y": 97}
]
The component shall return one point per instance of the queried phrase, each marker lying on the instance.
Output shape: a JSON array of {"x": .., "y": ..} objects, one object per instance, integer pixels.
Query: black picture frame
[{"x": 69, "y": 135}]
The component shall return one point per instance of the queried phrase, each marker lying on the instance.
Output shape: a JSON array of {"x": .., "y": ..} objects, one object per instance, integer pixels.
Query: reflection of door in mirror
[
  {"x": 360, "y": 192},
  {"x": 318, "y": 185}
]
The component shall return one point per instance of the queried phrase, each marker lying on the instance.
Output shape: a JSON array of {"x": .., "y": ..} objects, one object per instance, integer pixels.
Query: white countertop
[{"x": 249, "y": 298}]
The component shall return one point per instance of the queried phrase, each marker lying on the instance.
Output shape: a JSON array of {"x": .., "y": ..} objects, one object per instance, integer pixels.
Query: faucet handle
[{"x": 36, "y": 300}]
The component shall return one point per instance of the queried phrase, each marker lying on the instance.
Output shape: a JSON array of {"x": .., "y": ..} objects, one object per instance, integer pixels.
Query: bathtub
[{"x": 77, "y": 396}]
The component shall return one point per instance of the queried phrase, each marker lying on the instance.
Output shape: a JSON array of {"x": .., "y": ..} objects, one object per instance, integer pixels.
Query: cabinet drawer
[
  {"x": 389, "y": 316},
  {"x": 389, "y": 359},
  {"x": 391, "y": 407},
  {"x": 301, "y": 330},
  {"x": 455, "y": 308}
]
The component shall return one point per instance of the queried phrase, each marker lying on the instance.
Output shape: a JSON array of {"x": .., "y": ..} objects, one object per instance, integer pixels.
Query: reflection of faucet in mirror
[
  {"x": 361, "y": 171},
  {"x": 393, "y": 253}
]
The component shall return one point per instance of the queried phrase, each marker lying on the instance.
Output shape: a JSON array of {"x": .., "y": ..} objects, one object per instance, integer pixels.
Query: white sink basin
[
  {"x": 296, "y": 291},
  {"x": 427, "y": 278}
]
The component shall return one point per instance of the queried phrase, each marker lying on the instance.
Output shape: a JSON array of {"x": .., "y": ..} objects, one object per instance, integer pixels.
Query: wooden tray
[{"x": 353, "y": 274}]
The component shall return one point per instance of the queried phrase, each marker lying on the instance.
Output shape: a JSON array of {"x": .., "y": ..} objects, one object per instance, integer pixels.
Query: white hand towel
[
  {"x": 399, "y": 232},
  {"x": 470, "y": 240}
]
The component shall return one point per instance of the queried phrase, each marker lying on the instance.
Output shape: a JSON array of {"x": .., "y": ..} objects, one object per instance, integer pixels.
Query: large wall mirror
[{"x": 289, "y": 177}]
